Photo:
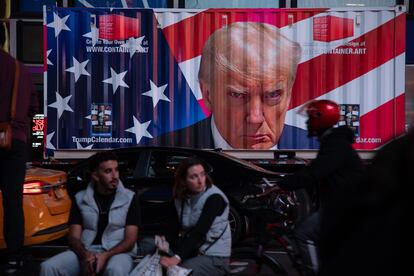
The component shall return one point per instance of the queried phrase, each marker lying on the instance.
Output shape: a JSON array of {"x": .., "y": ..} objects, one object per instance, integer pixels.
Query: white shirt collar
[{"x": 219, "y": 141}]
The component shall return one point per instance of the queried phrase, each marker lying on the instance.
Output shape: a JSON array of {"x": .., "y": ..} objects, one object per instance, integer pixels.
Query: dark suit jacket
[
  {"x": 196, "y": 136},
  {"x": 199, "y": 136}
]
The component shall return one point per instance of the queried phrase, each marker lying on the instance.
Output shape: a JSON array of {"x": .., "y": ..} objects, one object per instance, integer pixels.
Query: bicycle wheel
[{"x": 246, "y": 261}]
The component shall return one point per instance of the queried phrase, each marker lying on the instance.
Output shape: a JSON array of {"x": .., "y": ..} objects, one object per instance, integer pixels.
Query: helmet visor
[{"x": 306, "y": 109}]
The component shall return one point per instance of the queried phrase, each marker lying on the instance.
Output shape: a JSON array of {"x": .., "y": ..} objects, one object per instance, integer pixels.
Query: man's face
[
  {"x": 248, "y": 114},
  {"x": 107, "y": 176}
]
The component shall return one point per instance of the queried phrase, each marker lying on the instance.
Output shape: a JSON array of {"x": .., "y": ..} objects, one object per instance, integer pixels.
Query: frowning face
[
  {"x": 249, "y": 115},
  {"x": 247, "y": 71}
]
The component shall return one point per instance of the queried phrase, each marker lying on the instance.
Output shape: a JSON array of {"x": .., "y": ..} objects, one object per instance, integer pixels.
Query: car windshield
[{"x": 248, "y": 164}]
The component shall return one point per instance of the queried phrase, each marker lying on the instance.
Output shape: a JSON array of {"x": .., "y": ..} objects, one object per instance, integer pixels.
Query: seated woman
[{"x": 204, "y": 240}]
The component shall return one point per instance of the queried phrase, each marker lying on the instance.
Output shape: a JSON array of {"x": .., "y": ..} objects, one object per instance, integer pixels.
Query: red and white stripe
[{"x": 375, "y": 80}]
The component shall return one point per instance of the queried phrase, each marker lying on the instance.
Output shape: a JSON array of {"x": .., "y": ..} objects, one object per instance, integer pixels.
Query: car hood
[
  {"x": 46, "y": 175},
  {"x": 252, "y": 167}
]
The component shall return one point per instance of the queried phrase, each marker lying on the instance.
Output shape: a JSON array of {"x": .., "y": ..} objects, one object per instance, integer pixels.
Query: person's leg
[
  {"x": 146, "y": 245},
  {"x": 65, "y": 263},
  {"x": 307, "y": 237},
  {"x": 118, "y": 265},
  {"x": 207, "y": 265},
  {"x": 13, "y": 169}
]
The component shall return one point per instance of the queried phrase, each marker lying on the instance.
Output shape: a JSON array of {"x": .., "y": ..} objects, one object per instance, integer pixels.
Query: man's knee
[
  {"x": 48, "y": 268},
  {"x": 118, "y": 265},
  {"x": 65, "y": 263}
]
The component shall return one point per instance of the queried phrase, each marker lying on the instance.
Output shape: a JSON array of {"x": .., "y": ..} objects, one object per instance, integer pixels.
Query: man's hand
[
  {"x": 89, "y": 256},
  {"x": 101, "y": 260},
  {"x": 169, "y": 261},
  {"x": 86, "y": 257},
  {"x": 88, "y": 263}
]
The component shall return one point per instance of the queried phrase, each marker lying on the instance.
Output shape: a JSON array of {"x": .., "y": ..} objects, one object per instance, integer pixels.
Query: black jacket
[
  {"x": 195, "y": 136},
  {"x": 199, "y": 135},
  {"x": 337, "y": 174},
  {"x": 336, "y": 166},
  {"x": 372, "y": 230}
]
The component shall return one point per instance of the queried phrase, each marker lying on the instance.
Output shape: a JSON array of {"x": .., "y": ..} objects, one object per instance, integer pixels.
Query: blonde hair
[{"x": 256, "y": 42}]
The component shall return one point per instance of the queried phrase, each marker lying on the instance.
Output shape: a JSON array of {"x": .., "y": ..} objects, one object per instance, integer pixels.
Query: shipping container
[{"x": 220, "y": 78}]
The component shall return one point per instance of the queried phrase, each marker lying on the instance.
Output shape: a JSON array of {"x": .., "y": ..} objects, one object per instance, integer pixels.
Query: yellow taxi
[{"x": 46, "y": 205}]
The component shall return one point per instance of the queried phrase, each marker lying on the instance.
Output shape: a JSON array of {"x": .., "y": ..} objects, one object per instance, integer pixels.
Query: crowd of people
[
  {"x": 356, "y": 227},
  {"x": 355, "y": 231},
  {"x": 361, "y": 212}
]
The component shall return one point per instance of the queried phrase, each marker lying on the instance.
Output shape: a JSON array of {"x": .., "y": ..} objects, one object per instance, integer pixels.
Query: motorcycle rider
[
  {"x": 376, "y": 217},
  {"x": 336, "y": 167}
]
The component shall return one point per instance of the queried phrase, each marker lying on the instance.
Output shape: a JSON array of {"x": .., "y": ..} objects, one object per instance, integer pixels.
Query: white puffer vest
[
  {"x": 191, "y": 213},
  {"x": 114, "y": 231}
]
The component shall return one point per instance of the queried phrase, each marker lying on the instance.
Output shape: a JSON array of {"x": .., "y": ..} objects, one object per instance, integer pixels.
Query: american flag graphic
[
  {"x": 121, "y": 3},
  {"x": 121, "y": 77}
]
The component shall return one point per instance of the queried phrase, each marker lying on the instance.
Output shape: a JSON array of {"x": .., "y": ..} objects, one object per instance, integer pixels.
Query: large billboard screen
[{"x": 220, "y": 78}]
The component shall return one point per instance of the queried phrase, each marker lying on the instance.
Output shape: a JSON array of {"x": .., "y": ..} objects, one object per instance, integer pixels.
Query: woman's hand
[
  {"x": 162, "y": 244},
  {"x": 169, "y": 261}
]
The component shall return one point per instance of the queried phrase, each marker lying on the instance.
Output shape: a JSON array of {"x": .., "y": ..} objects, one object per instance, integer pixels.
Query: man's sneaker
[{"x": 13, "y": 266}]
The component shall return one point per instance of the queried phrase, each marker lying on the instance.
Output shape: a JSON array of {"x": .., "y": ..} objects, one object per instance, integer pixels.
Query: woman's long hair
[{"x": 180, "y": 189}]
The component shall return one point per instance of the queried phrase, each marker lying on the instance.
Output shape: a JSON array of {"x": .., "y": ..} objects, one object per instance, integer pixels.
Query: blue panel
[
  {"x": 122, "y": 3},
  {"x": 34, "y": 5}
]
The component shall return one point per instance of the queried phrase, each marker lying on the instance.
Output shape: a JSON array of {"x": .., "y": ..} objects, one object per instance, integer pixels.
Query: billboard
[
  {"x": 121, "y": 3},
  {"x": 227, "y": 78}
]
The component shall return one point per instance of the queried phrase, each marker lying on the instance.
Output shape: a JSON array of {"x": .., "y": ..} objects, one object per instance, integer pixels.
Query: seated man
[{"x": 103, "y": 223}]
